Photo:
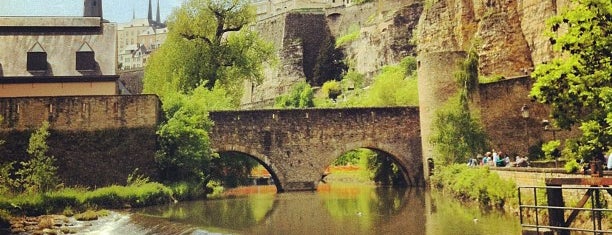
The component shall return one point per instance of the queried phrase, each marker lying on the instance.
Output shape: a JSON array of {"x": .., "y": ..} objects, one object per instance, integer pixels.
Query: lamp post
[
  {"x": 548, "y": 127},
  {"x": 525, "y": 115}
]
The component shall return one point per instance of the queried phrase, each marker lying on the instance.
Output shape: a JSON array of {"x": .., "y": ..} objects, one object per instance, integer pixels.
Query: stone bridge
[{"x": 296, "y": 145}]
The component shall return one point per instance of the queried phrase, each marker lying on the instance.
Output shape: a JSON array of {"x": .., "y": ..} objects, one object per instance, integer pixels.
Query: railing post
[{"x": 555, "y": 216}]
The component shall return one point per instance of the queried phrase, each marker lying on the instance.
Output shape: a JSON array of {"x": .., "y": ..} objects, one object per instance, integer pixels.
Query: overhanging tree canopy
[{"x": 578, "y": 84}]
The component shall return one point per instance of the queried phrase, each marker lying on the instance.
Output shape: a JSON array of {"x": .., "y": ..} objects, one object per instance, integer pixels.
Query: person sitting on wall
[
  {"x": 500, "y": 160},
  {"x": 507, "y": 161},
  {"x": 522, "y": 161},
  {"x": 486, "y": 159},
  {"x": 472, "y": 162}
]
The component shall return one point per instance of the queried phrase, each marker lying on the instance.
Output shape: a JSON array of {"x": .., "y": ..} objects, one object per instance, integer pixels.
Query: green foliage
[
  {"x": 474, "y": 184},
  {"x": 184, "y": 151},
  {"x": 135, "y": 179},
  {"x": 396, "y": 85},
  {"x": 578, "y": 84},
  {"x": 88, "y": 215},
  {"x": 352, "y": 157},
  {"x": 457, "y": 135},
  {"x": 550, "y": 149},
  {"x": 39, "y": 173},
  {"x": 331, "y": 89},
  {"x": 380, "y": 167},
  {"x": 491, "y": 79},
  {"x": 300, "y": 96},
  {"x": 208, "y": 44},
  {"x": 8, "y": 182},
  {"x": 352, "y": 35},
  {"x": 571, "y": 166},
  {"x": 185, "y": 191},
  {"x": 79, "y": 199},
  {"x": 232, "y": 169}
]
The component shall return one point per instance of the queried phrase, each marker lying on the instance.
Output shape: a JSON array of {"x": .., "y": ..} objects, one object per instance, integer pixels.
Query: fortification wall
[
  {"x": 500, "y": 106},
  {"x": 80, "y": 112},
  {"x": 97, "y": 140}
]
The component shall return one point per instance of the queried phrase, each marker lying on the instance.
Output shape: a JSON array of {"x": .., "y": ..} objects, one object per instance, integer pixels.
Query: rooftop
[{"x": 51, "y": 22}]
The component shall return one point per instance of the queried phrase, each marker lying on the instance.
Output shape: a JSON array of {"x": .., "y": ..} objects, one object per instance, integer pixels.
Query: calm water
[{"x": 331, "y": 210}]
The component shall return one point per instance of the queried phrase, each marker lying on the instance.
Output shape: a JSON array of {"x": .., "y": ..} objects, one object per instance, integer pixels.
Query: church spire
[
  {"x": 133, "y": 14},
  {"x": 157, "y": 18},
  {"x": 150, "y": 17}
]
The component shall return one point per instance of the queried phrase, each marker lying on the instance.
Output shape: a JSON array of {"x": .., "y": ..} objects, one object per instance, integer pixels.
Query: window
[
  {"x": 37, "y": 58},
  {"x": 85, "y": 58}
]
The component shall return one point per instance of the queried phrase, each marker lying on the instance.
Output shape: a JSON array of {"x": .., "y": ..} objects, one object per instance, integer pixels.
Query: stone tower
[
  {"x": 92, "y": 8},
  {"x": 436, "y": 84}
]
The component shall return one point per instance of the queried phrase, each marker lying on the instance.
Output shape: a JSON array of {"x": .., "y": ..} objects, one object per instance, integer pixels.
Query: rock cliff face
[{"x": 507, "y": 35}]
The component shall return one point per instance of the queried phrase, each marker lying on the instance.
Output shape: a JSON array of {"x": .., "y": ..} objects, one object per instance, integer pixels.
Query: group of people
[{"x": 497, "y": 159}]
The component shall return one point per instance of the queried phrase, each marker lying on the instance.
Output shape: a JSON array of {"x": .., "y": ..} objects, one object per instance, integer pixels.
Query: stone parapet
[{"x": 80, "y": 112}]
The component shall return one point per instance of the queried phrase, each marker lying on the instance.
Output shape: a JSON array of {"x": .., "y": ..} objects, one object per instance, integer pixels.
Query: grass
[
  {"x": 74, "y": 200},
  {"x": 475, "y": 184}
]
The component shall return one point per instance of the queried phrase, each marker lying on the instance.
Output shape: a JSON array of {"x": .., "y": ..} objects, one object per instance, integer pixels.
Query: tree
[
  {"x": 185, "y": 151},
  {"x": 578, "y": 83},
  {"x": 38, "y": 174},
  {"x": 209, "y": 44}
]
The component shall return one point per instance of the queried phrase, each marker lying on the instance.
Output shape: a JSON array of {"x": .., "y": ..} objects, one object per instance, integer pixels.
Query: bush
[
  {"x": 474, "y": 184},
  {"x": 571, "y": 166},
  {"x": 331, "y": 89},
  {"x": 351, "y": 36}
]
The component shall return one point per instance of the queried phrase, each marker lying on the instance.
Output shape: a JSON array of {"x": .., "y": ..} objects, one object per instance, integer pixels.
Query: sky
[{"x": 119, "y": 11}]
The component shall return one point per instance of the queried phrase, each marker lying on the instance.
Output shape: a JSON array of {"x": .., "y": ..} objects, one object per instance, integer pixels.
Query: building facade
[
  {"x": 139, "y": 34},
  {"x": 53, "y": 56}
]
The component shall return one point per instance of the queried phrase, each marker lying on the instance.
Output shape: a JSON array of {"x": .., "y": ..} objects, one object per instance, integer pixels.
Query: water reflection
[{"x": 334, "y": 210}]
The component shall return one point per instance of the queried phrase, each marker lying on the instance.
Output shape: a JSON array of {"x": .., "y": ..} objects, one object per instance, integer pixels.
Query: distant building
[
  {"x": 133, "y": 56},
  {"x": 58, "y": 56},
  {"x": 142, "y": 33}
]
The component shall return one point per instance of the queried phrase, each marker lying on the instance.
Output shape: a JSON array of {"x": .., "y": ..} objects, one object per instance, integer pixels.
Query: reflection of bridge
[{"x": 297, "y": 145}]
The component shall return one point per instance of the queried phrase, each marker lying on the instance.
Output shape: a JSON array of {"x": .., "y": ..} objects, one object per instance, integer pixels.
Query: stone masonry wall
[
  {"x": 500, "y": 113},
  {"x": 96, "y": 140},
  {"x": 80, "y": 112}
]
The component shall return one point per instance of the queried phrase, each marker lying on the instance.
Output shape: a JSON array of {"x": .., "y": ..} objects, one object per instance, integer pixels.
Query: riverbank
[{"x": 61, "y": 224}]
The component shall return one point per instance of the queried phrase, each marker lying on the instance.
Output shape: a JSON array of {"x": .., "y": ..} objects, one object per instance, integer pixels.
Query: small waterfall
[{"x": 137, "y": 224}]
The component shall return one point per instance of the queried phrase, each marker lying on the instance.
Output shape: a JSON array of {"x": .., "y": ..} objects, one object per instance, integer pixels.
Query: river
[{"x": 341, "y": 209}]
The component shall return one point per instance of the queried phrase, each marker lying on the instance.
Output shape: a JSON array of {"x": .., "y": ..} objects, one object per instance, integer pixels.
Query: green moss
[{"x": 87, "y": 216}]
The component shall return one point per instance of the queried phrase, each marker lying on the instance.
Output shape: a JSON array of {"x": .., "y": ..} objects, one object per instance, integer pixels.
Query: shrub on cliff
[
  {"x": 474, "y": 184},
  {"x": 300, "y": 96}
]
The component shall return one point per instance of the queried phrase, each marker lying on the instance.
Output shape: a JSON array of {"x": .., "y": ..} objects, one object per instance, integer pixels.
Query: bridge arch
[
  {"x": 261, "y": 159},
  {"x": 397, "y": 158}
]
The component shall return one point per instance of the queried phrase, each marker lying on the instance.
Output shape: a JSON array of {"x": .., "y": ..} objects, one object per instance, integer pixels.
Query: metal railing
[{"x": 596, "y": 210}]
